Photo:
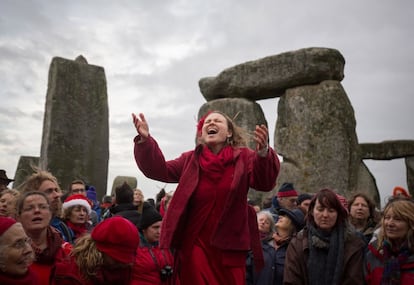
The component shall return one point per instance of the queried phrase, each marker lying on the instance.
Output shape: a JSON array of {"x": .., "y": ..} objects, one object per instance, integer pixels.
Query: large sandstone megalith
[
  {"x": 270, "y": 76},
  {"x": 75, "y": 141},
  {"x": 315, "y": 134}
]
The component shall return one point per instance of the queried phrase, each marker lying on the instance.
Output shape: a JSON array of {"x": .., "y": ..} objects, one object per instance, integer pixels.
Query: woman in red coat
[
  {"x": 33, "y": 211},
  {"x": 390, "y": 256},
  {"x": 208, "y": 223}
]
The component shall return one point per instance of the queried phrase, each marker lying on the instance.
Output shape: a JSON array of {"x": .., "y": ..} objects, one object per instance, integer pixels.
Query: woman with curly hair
[
  {"x": 103, "y": 257},
  {"x": 390, "y": 257},
  {"x": 208, "y": 222}
]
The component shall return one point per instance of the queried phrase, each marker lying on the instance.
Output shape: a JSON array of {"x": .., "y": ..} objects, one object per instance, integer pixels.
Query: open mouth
[
  {"x": 212, "y": 131},
  {"x": 37, "y": 219}
]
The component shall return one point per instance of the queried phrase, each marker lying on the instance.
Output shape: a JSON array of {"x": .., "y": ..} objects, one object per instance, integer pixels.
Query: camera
[{"x": 166, "y": 272}]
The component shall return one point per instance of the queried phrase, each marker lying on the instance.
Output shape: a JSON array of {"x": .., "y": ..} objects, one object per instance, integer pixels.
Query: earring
[{"x": 229, "y": 140}]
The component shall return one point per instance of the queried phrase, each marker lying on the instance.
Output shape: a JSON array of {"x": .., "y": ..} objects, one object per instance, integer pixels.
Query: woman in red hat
[
  {"x": 16, "y": 254},
  {"x": 208, "y": 222},
  {"x": 103, "y": 257},
  {"x": 76, "y": 211}
]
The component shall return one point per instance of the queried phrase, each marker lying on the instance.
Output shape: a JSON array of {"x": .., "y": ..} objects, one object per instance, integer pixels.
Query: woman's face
[
  {"x": 18, "y": 254},
  {"x": 35, "y": 214},
  {"x": 395, "y": 228},
  {"x": 7, "y": 205},
  {"x": 325, "y": 218},
  {"x": 360, "y": 209},
  {"x": 138, "y": 197},
  {"x": 263, "y": 223},
  {"x": 284, "y": 223},
  {"x": 78, "y": 215},
  {"x": 215, "y": 131}
]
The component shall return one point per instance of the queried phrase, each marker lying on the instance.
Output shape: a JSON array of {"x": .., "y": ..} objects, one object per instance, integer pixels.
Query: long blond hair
[
  {"x": 88, "y": 258},
  {"x": 404, "y": 209}
]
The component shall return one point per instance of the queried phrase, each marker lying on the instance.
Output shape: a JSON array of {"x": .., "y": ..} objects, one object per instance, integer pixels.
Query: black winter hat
[
  {"x": 149, "y": 216},
  {"x": 296, "y": 216},
  {"x": 304, "y": 196},
  {"x": 287, "y": 190}
]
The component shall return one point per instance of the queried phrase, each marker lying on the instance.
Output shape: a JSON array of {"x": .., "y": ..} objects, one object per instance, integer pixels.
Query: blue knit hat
[{"x": 91, "y": 194}]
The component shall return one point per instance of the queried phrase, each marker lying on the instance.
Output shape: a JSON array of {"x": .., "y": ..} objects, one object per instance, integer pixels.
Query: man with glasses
[
  {"x": 286, "y": 198},
  {"x": 77, "y": 187}
]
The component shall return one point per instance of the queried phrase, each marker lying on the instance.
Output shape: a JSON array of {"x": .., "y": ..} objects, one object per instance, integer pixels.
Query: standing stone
[
  {"x": 367, "y": 184},
  {"x": 119, "y": 180},
  {"x": 25, "y": 167},
  {"x": 75, "y": 141},
  {"x": 315, "y": 134},
  {"x": 246, "y": 114},
  {"x": 409, "y": 164}
]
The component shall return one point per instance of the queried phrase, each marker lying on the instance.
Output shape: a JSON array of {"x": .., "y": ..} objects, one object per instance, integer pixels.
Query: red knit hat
[
  {"x": 287, "y": 190},
  {"x": 398, "y": 190},
  {"x": 5, "y": 224},
  {"x": 77, "y": 200},
  {"x": 118, "y": 238}
]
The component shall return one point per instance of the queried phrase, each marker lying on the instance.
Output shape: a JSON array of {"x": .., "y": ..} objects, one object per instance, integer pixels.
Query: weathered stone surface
[
  {"x": 270, "y": 76},
  {"x": 245, "y": 113},
  {"x": 25, "y": 167},
  {"x": 409, "y": 164},
  {"x": 119, "y": 180},
  {"x": 315, "y": 134},
  {"x": 75, "y": 142},
  {"x": 366, "y": 183},
  {"x": 387, "y": 149}
]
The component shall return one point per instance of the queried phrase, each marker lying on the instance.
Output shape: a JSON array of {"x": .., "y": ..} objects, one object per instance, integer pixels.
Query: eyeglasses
[
  {"x": 41, "y": 207},
  {"x": 78, "y": 190},
  {"x": 21, "y": 243}
]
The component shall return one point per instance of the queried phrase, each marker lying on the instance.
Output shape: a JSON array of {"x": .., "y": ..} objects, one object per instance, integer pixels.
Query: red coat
[
  {"x": 67, "y": 273},
  {"x": 374, "y": 267},
  {"x": 250, "y": 170},
  {"x": 148, "y": 263},
  {"x": 43, "y": 271}
]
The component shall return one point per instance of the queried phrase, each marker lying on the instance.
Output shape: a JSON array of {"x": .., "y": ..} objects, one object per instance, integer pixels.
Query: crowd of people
[{"x": 207, "y": 231}]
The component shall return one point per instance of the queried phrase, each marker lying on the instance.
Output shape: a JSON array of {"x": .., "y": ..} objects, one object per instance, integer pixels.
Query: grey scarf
[{"x": 326, "y": 254}]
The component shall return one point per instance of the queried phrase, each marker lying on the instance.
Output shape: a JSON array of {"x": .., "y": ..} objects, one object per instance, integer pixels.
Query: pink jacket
[{"x": 251, "y": 170}]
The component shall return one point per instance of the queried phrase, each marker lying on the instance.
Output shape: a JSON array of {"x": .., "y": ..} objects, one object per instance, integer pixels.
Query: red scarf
[
  {"x": 54, "y": 243},
  {"x": 78, "y": 229},
  {"x": 214, "y": 164}
]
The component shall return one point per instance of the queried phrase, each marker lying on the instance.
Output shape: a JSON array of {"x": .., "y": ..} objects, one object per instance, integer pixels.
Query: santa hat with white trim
[{"x": 77, "y": 200}]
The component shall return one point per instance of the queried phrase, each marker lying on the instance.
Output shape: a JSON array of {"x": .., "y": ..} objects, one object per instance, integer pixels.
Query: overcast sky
[{"x": 154, "y": 53}]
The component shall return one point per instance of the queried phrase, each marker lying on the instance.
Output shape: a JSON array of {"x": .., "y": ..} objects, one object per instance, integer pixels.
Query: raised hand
[
  {"x": 261, "y": 136},
  {"x": 141, "y": 126}
]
